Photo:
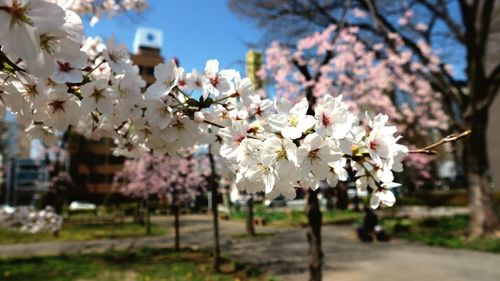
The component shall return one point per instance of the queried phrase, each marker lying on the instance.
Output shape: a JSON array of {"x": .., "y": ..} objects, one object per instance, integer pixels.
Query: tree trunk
[
  {"x": 483, "y": 219},
  {"x": 329, "y": 194},
  {"x": 138, "y": 217},
  {"x": 175, "y": 209},
  {"x": 250, "y": 226},
  {"x": 148, "y": 217},
  {"x": 342, "y": 198},
  {"x": 215, "y": 215},
  {"x": 314, "y": 217}
]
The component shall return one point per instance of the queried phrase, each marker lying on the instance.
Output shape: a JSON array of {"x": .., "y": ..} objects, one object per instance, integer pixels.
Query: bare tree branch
[{"x": 450, "y": 138}]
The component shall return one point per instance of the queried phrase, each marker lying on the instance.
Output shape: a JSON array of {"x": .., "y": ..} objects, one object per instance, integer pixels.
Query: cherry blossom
[
  {"x": 19, "y": 21},
  {"x": 267, "y": 145},
  {"x": 97, "y": 96},
  {"x": 167, "y": 76},
  {"x": 291, "y": 121}
]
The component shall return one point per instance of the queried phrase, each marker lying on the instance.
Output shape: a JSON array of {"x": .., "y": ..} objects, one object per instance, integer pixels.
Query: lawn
[
  {"x": 141, "y": 265},
  {"x": 445, "y": 231},
  {"x": 81, "y": 232},
  {"x": 298, "y": 217}
]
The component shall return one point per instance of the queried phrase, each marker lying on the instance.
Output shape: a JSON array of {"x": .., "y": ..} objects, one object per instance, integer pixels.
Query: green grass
[
  {"x": 81, "y": 232},
  {"x": 298, "y": 217},
  {"x": 445, "y": 231},
  {"x": 141, "y": 265}
]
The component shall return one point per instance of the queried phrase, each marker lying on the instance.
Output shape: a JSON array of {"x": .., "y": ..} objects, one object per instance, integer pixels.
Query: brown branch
[
  {"x": 443, "y": 14},
  {"x": 213, "y": 124},
  {"x": 384, "y": 26},
  {"x": 5, "y": 59},
  {"x": 450, "y": 138}
]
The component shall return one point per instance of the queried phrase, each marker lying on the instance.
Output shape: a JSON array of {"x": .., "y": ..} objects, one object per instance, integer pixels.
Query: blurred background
[{"x": 432, "y": 65}]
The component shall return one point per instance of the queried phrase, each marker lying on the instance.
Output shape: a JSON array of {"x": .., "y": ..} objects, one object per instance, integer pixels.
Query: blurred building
[
  {"x": 15, "y": 143},
  {"x": 26, "y": 179},
  {"x": 253, "y": 60},
  {"x": 147, "y": 48},
  {"x": 92, "y": 164}
]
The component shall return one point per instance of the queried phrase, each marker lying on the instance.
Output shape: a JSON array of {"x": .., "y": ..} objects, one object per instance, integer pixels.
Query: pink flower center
[
  {"x": 373, "y": 145},
  {"x": 214, "y": 80},
  {"x": 57, "y": 105},
  {"x": 64, "y": 66},
  {"x": 239, "y": 139},
  {"x": 325, "y": 119}
]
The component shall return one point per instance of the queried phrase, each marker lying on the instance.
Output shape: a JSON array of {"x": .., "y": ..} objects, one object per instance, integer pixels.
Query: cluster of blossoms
[
  {"x": 375, "y": 77},
  {"x": 272, "y": 147},
  {"x": 163, "y": 177},
  {"x": 371, "y": 77},
  {"x": 26, "y": 220}
]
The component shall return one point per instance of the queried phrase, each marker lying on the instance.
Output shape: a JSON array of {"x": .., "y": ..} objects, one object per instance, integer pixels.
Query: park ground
[{"x": 278, "y": 251}]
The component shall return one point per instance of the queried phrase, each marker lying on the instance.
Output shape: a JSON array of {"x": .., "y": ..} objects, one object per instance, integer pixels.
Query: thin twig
[
  {"x": 5, "y": 59},
  {"x": 213, "y": 124},
  {"x": 450, "y": 138},
  {"x": 96, "y": 67},
  {"x": 220, "y": 126}
]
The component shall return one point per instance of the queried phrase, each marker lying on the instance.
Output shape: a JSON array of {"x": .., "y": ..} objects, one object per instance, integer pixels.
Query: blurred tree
[
  {"x": 176, "y": 181},
  {"x": 464, "y": 31}
]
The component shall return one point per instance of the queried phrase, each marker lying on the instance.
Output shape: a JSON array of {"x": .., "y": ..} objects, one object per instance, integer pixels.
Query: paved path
[{"x": 284, "y": 254}]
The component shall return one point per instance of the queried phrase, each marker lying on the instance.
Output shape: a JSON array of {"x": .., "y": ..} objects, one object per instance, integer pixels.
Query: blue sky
[{"x": 193, "y": 31}]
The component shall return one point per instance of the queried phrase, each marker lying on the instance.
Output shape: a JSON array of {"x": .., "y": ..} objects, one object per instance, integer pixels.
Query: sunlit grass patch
[{"x": 140, "y": 265}]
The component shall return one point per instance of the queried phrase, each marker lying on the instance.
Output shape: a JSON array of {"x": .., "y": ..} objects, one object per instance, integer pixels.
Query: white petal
[
  {"x": 278, "y": 122},
  {"x": 291, "y": 132},
  {"x": 22, "y": 41},
  {"x": 282, "y": 106},
  {"x": 375, "y": 200},
  {"x": 300, "y": 108},
  {"x": 387, "y": 198}
]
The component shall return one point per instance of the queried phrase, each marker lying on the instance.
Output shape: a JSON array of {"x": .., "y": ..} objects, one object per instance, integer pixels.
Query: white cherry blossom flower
[
  {"x": 61, "y": 109},
  {"x": 248, "y": 153},
  {"x": 275, "y": 149},
  {"x": 194, "y": 80},
  {"x": 117, "y": 57},
  {"x": 291, "y": 121},
  {"x": 334, "y": 118},
  {"x": 232, "y": 137},
  {"x": 128, "y": 89},
  {"x": 167, "y": 76},
  {"x": 262, "y": 174},
  {"x": 19, "y": 21},
  {"x": 314, "y": 156},
  {"x": 97, "y": 95},
  {"x": 158, "y": 113},
  {"x": 68, "y": 69},
  {"x": 337, "y": 172},
  {"x": 215, "y": 82},
  {"x": 381, "y": 140},
  {"x": 384, "y": 196}
]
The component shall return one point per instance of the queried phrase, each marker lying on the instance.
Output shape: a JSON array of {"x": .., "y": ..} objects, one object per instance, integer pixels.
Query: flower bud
[{"x": 199, "y": 117}]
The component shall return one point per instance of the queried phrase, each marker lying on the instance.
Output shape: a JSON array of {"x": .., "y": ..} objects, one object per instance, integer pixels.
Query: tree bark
[
  {"x": 250, "y": 226},
  {"x": 329, "y": 194},
  {"x": 314, "y": 217},
  {"x": 148, "y": 216},
  {"x": 215, "y": 215},
  {"x": 483, "y": 219},
  {"x": 175, "y": 209},
  {"x": 342, "y": 198}
]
